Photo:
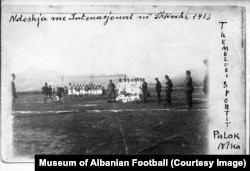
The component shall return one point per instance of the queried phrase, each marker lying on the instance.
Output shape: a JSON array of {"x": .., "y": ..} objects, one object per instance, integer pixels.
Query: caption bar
[{"x": 69, "y": 162}]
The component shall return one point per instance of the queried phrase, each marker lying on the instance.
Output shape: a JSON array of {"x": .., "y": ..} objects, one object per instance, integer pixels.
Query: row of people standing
[
  {"x": 74, "y": 92},
  {"x": 187, "y": 87},
  {"x": 137, "y": 90},
  {"x": 129, "y": 90},
  {"x": 84, "y": 91},
  {"x": 168, "y": 90}
]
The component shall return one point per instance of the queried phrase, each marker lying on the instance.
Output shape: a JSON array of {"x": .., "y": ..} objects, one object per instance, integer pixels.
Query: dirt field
[{"x": 98, "y": 127}]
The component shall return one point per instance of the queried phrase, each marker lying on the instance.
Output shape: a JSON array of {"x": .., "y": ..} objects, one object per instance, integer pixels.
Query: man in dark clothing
[
  {"x": 111, "y": 90},
  {"x": 66, "y": 92},
  {"x": 169, "y": 86},
  {"x": 14, "y": 94},
  {"x": 144, "y": 91},
  {"x": 53, "y": 92},
  {"x": 158, "y": 90},
  {"x": 45, "y": 91},
  {"x": 50, "y": 92},
  {"x": 59, "y": 93},
  {"x": 188, "y": 88}
]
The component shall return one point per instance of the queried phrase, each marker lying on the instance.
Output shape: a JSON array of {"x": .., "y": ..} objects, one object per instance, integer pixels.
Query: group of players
[
  {"x": 127, "y": 90},
  {"x": 77, "y": 92},
  {"x": 136, "y": 89},
  {"x": 130, "y": 90},
  {"x": 74, "y": 92}
]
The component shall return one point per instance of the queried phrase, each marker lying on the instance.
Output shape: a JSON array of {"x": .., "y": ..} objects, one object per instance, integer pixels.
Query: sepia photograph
[{"x": 123, "y": 80}]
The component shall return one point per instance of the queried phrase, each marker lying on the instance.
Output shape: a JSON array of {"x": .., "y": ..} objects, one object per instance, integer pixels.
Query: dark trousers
[
  {"x": 112, "y": 95},
  {"x": 45, "y": 98},
  {"x": 144, "y": 97},
  {"x": 14, "y": 96},
  {"x": 159, "y": 97},
  {"x": 168, "y": 98},
  {"x": 189, "y": 98}
]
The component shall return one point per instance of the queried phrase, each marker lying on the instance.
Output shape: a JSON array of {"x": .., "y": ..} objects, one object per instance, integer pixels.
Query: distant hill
[{"x": 32, "y": 79}]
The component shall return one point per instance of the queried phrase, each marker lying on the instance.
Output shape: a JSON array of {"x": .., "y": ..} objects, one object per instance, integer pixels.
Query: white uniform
[
  {"x": 119, "y": 88},
  {"x": 84, "y": 91},
  {"x": 99, "y": 91},
  {"x": 140, "y": 87},
  {"x": 81, "y": 90},
  {"x": 70, "y": 90},
  {"x": 133, "y": 88},
  {"x": 129, "y": 88},
  {"x": 77, "y": 91}
]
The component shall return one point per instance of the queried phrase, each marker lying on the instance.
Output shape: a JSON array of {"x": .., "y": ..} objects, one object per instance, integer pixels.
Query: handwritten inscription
[
  {"x": 32, "y": 18},
  {"x": 228, "y": 141},
  {"x": 227, "y": 136},
  {"x": 225, "y": 51},
  {"x": 105, "y": 17}
]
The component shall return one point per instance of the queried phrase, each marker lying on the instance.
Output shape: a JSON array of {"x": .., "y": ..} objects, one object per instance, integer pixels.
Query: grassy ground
[{"x": 142, "y": 131}]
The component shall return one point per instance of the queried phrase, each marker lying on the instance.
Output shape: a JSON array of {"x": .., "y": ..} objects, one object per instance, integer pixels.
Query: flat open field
[{"x": 98, "y": 127}]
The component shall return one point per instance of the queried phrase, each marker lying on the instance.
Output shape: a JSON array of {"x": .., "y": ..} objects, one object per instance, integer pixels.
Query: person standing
[
  {"x": 70, "y": 91},
  {"x": 50, "y": 92},
  {"x": 188, "y": 88},
  {"x": 119, "y": 87},
  {"x": 144, "y": 91},
  {"x": 59, "y": 92},
  {"x": 124, "y": 85},
  {"x": 206, "y": 78},
  {"x": 53, "y": 93},
  {"x": 140, "y": 87},
  {"x": 45, "y": 91},
  {"x": 158, "y": 90},
  {"x": 128, "y": 87},
  {"x": 111, "y": 90},
  {"x": 169, "y": 87},
  {"x": 66, "y": 92},
  {"x": 14, "y": 94}
]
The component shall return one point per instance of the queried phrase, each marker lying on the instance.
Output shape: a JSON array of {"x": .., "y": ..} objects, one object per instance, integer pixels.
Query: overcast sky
[{"x": 146, "y": 48}]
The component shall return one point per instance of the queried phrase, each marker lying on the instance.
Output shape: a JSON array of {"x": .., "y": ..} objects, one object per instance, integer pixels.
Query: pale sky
[{"x": 145, "y": 48}]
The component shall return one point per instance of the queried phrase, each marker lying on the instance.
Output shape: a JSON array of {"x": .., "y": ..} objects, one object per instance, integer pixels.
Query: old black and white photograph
[{"x": 123, "y": 80}]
